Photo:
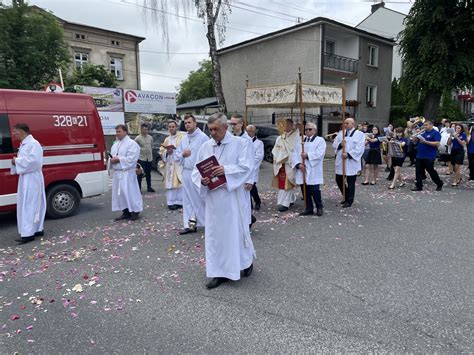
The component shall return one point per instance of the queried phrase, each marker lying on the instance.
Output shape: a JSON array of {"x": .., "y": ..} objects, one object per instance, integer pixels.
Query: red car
[{"x": 69, "y": 129}]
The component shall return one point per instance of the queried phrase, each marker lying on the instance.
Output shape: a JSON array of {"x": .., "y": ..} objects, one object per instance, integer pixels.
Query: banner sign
[
  {"x": 271, "y": 96},
  {"x": 106, "y": 99},
  {"x": 318, "y": 95},
  {"x": 149, "y": 102},
  {"x": 109, "y": 120}
]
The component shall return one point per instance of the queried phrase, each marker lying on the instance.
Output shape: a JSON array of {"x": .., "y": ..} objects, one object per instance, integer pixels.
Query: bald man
[
  {"x": 259, "y": 154},
  {"x": 354, "y": 143}
]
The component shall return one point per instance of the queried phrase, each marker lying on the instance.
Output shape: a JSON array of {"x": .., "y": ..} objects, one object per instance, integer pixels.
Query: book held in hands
[{"x": 205, "y": 168}]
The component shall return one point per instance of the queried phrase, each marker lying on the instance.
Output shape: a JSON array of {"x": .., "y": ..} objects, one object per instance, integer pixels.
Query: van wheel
[
  {"x": 62, "y": 201},
  {"x": 268, "y": 154}
]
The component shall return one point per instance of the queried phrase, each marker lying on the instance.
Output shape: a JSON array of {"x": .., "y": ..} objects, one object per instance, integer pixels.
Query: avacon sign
[{"x": 150, "y": 102}]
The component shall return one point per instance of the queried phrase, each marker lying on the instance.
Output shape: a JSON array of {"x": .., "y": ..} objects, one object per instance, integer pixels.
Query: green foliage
[
  {"x": 198, "y": 85},
  {"x": 450, "y": 109},
  {"x": 90, "y": 75},
  {"x": 437, "y": 46},
  {"x": 32, "y": 48},
  {"x": 403, "y": 104}
]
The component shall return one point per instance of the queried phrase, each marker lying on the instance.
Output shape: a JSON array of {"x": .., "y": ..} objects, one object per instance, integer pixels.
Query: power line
[
  {"x": 265, "y": 9},
  {"x": 261, "y": 13}
]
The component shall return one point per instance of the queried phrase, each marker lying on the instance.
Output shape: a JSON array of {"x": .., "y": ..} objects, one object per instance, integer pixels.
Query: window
[
  {"x": 80, "y": 59},
  {"x": 116, "y": 67},
  {"x": 330, "y": 47},
  {"x": 371, "y": 95},
  {"x": 80, "y": 36},
  {"x": 373, "y": 56},
  {"x": 5, "y": 137},
  {"x": 115, "y": 43}
]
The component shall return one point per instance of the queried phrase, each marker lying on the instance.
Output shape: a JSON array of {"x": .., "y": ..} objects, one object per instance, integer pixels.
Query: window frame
[
  {"x": 80, "y": 36},
  {"x": 376, "y": 59},
  {"x": 373, "y": 102},
  {"x": 9, "y": 138},
  {"x": 81, "y": 61},
  {"x": 326, "y": 46},
  {"x": 113, "y": 67}
]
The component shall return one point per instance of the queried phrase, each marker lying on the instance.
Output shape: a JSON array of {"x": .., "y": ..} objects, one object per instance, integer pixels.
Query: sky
[{"x": 187, "y": 42}]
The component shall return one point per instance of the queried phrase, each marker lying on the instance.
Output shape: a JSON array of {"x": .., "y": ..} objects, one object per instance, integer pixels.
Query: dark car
[
  {"x": 158, "y": 139},
  {"x": 202, "y": 125},
  {"x": 268, "y": 143},
  {"x": 265, "y": 131}
]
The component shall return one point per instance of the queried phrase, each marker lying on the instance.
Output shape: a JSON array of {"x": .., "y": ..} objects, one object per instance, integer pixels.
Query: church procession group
[{"x": 224, "y": 209}]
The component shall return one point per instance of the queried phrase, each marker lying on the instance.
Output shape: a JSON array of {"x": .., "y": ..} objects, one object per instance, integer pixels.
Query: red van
[{"x": 69, "y": 129}]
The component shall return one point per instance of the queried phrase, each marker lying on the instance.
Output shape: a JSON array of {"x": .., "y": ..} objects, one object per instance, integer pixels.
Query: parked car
[
  {"x": 265, "y": 131},
  {"x": 69, "y": 129},
  {"x": 268, "y": 144},
  {"x": 202, "y": 125}
]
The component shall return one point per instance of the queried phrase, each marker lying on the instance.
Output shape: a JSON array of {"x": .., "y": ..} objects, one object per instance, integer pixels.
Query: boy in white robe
[
  {"x": 310, "y": 165},
  {"x": 126, "y": 195},
  {"x": 185, "y": 155},
  {"x": 31, "y": 197},
  {"x": 259, "y": 154},
  {"x": 229, "y": 248},
  {"x": 354, "y": 142}
]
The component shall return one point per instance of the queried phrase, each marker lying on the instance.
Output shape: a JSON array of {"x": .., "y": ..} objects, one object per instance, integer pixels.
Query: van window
[{"x": 5, "y": 136}]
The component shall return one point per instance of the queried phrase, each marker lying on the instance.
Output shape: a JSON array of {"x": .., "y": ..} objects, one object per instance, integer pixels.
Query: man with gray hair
[{"x": 229, "y": 248}]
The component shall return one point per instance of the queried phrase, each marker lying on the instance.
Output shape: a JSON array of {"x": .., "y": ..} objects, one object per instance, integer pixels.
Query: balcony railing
[{"x": 339, "y": 62}]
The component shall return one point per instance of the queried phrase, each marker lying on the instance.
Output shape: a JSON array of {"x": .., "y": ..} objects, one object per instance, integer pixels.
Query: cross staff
[{"x": 344, "y": 177}]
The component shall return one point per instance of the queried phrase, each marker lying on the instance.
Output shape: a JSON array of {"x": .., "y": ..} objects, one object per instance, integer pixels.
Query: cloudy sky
[{"x": 188, "y": 44}]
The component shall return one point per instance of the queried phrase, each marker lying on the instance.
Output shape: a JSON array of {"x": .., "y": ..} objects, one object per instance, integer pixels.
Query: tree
[
  {"x": 32, "y": 48},
  {"x": 215, "y": 15},
  {"x": 90, "y": 75},
  {"x": 198, "y": 85},
  {"x": 437, "y": 46}
]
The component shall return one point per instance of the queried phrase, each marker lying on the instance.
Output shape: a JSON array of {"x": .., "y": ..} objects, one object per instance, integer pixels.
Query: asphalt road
[{"x": 391, "y": 274}]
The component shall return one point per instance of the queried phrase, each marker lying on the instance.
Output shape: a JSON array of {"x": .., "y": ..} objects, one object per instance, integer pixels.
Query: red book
[{"x": 205, "y": 169}]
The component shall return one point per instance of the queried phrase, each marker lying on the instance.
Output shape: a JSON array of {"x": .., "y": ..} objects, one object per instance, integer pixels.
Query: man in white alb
[
  {"x": 185, "y": 155},
  {"x": 229, "y": 248},
  {"x": 259, "y": 154},
  {"x": 126, "y": 195},
  {"x": 31, "y": 198}
]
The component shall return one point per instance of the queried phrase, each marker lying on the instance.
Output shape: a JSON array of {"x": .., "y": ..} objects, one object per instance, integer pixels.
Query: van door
[{"x": 8, "y": 182}]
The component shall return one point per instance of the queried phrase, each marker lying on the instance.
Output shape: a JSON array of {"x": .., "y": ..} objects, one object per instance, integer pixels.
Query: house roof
[
  {"x": 205, "y": 102},
  {"x": 302, "y": 25},
  {"x": 382, "y": 7},
  {"x": 63, "y": 21}
]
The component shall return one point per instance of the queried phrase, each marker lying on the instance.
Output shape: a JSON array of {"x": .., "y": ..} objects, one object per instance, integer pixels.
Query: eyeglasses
[
  {"x": 234, "y": 124},
  {"x": 308, "y": 129}
]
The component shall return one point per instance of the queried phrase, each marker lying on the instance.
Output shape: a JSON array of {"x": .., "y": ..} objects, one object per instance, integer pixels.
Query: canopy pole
[
  {"x": 302, "y": 127},
  {"x": 245, "y": 98},
  {"x": 344, "y": 177}
]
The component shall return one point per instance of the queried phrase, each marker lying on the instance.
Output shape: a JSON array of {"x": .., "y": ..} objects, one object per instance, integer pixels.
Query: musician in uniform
[{"x": 349, "y": 150}]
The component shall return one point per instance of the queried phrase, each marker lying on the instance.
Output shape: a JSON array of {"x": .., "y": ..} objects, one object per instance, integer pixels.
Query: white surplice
[
  {"x": 355, "y": 145},
  {"x": 125, "y": 191},
  {"x": 248, "y": 205},
  {"x": 229, "y": 248},
  {"x": 193, "y": 202},
  {"x": 315, "y": 147},
  {"x": 258, "y": 157},
  {"x": 31, "y": 197}
]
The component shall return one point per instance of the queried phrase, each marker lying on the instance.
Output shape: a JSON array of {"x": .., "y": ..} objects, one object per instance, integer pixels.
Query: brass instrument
[
  {"x": 331, "y": 135},
  {"x": 414, "y": 135}
]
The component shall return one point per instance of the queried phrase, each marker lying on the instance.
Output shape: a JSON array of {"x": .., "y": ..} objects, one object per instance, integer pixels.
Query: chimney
[{"x": 377, "y": 6}]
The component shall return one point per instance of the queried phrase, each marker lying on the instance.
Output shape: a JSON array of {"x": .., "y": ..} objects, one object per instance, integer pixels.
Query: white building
[{"x": 386, "y": 23}]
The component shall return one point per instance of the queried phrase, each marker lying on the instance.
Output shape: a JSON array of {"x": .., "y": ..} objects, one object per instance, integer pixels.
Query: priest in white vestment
[
  {"x": 354, "y": 142},
  {"x": 309, "y": 164},
  {"x": 229, "y": 247},
  {"x": 173, "y": 171},
  {"x": 283, "y": 174},
  {"x": 185, "y": 155},
  {"x": 126, "y": 195},
  {"x": 31, "y": 197}
]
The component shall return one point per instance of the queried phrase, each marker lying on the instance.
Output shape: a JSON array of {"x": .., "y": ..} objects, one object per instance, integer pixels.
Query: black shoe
[
  {"x": 171, "y": 207},
  {"x": 39, "y": 234},
  {"x": 150, "y": 189},
  {"x": 283, "y": 209},
  {"x": 216, "y": 282},
  {"x": 439, "y": 187},
  {"x": 319, "y": 212},
  {"x": 387, "y": 169},
  {"x": 257, "y": 206},
  {"x": 346, "y": 204},
  {"x": 134, "y": 216},
  {"x": 24, "y": 240},
  {"x": 364, "y": 183},
  {"x": 188, "y": 231},
  {"x": 292, "y": 204},
  {"x": 123, "y": 216},
  {"x": 306, "y": 213},
  {"x": 254, "y": 219},
  {"x": 248, "y": 271},
  {"x": 178, "y": 206},
  {"x": 416, "y": 189}
]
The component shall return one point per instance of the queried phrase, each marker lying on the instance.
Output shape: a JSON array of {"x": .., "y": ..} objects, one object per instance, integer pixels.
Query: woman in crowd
[
  {"x": 470, "y": 152},
  {"x": 458, "y": 142},
  {"x": 374, "y": 158},
  {"x": 397, "y": 162}
]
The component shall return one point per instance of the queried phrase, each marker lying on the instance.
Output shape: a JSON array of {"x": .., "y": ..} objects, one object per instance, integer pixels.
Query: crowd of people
[{"x": 237, "y": 152}]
